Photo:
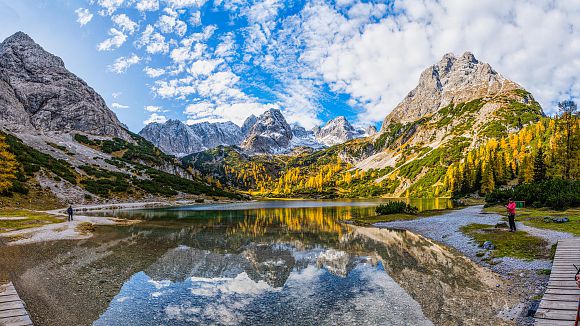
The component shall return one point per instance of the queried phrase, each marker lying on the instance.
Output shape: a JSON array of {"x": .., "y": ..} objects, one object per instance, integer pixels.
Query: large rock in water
[
  {"x": 38, "y": 92},
  {"x": 269, "y": 134},
  {"x": 452, "y": 79}
]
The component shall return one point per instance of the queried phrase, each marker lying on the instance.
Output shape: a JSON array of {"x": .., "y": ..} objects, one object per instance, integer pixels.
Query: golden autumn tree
[{"x": 8, "y": 166}]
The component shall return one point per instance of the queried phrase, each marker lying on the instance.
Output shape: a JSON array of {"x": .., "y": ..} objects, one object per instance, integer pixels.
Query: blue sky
[{"x": 200, "y": 60}]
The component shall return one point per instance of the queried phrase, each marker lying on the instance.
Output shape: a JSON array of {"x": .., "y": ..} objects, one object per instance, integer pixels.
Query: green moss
[
  {"x": 508, "y": 244},
  {"x": 17, "y": 219}
]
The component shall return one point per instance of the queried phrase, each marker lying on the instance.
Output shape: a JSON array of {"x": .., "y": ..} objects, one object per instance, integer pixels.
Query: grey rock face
[
  {"x": 270, "y": 134},
  {"x": 371, "y": 130},
  {"x": 218, "y": 133},
  {"x": 248, "y": 124},
  {"x": 176, "y": 138},
  {"x": 337, "y": 131},
  {"x": 453, "y": 79},
  {"x": 172, "y": 137},
  {"x": 38, "y": 92}
]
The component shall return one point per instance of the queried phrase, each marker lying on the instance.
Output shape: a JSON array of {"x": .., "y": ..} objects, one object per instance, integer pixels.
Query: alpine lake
[{"x": 278, "y": 262}]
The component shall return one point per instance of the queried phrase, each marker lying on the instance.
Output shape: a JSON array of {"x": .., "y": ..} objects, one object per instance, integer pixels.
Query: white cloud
[
  {"x": 121, "y": 64},
  {"x": 147, "y": 5},
  {"x": 152, "y": 108},
  {"x": 110, "y": 6},
  {"x": 378, "y": 62},
  {"x": 185, "y": 3},
  {"x": 195, "y": 18},
  {"x": 204, "y": 67},
  {"x": 152, "y": 41},
  {"x": 154, "y": 117},
  {"x": 170, "y": 23},
  {"x": 116, "y": 105},
  {"x": 116, "y": 94},
  {"x": 154, "y": 72},
  {"x": 125, "y": 23},
  {"x": 117, "y": 39},
  {"x": 235, "y": 112},
  {"x": 84, "y": 16}
]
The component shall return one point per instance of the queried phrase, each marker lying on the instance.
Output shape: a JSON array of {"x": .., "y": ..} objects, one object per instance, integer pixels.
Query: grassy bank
[
  {"x": 369, "y": 220},
  {"x": 17, "y": 219},
  {"x": 507, "y": 244},
  {"x": 535, "y": 217}
]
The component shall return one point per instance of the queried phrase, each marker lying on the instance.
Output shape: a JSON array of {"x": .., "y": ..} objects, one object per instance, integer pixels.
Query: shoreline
[{"x": 66, "y": 230}]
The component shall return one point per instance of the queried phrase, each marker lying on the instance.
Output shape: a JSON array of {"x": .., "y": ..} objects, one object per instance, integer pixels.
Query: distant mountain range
[{"x": 268, "y": 133}]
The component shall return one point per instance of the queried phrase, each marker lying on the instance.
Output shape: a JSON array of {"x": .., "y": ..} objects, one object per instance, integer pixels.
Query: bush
[
  {"x": 396, "y": 207},
  {"x": 554, "y": 193}
]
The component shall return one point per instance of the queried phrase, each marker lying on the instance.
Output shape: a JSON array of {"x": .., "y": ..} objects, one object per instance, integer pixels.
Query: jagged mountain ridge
[
  {"x": 176, "y": 138},
  {"x": 269, "y": 133},
  {"x": 37, "y": 92}
]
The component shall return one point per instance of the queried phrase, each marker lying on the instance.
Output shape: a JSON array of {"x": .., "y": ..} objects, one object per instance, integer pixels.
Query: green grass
[
  {"x": 507, "y": 244},
  {"x": 535, "y": 217},
  {"x": 368, "y": 220},
  {"x": 17, "y": 219}
]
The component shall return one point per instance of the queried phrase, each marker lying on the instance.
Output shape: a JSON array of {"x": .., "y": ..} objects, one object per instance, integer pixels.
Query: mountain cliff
[
  {"x": 337, "y": 131},
  {"x": 269, "y": 134},
  {"x": 454, "y": 79},
  {"x": 38, "y": 92},
  {"x": 176, "y": 138}
]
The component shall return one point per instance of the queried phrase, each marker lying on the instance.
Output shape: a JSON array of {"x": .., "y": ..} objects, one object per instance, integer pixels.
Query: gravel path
[{"x": 445, "y": 229}]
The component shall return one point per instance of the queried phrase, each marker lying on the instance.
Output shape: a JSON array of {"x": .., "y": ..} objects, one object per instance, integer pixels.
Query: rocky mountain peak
[
  {"x": 337, "y": 131},
  {"x": 269, "y": 134},
  {"x": 248, "y": 124},
  {"x": 454, "y": 79},
  {"x": 38, "y": 93}
]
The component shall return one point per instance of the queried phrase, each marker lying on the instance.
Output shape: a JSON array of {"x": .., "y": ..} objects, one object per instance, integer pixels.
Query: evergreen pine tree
[
  {"x": 487, "y": 182},
  {"x": 539, "y": 166}
]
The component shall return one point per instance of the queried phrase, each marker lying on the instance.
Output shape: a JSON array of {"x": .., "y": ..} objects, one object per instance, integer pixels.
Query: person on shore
[
  {"x": 70, "y": 213},
  {"x": 511, "y": 208}
]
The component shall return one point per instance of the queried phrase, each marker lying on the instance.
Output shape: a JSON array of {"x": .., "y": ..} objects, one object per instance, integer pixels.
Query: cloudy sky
[{"x": 200, "y": 60}]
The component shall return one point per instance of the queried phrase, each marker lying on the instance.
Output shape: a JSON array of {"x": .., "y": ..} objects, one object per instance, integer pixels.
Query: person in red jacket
[{"x": 511, "y": 208}]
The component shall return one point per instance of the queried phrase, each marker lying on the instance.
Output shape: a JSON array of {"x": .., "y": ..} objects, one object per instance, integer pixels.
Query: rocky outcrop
[
  {"x": 337, "y": 131},
  {"x": 176, "y": 138},
  {"x": 37, "y": 92},
  {"x": 248, "y": 124},
  {"x": 452, "y": 80},
  {"x": 270, "y": 134}
]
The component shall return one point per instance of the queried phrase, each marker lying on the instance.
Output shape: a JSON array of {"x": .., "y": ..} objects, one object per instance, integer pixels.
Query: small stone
[{"x": 488, "y": 245}]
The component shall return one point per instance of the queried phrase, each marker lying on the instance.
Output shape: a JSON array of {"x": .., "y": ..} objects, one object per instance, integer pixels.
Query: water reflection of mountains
[{"x": 448, "y": 286}]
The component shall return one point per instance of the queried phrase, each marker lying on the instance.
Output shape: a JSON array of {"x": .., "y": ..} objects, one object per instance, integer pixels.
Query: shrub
[
  {"x": 396, "y": 207},
  {"x": 554, "y": 193}
]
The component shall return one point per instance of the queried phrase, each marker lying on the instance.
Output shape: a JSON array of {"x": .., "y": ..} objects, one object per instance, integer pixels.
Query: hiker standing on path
[
  {"x": 70, "y": 213},
  {"x": 511, "y": 208}
]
